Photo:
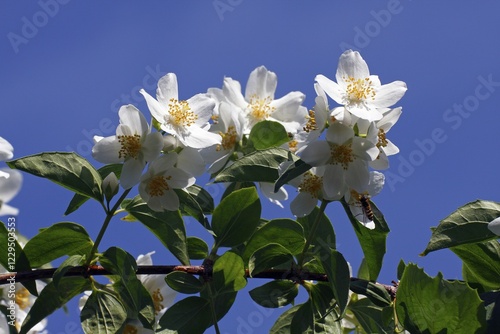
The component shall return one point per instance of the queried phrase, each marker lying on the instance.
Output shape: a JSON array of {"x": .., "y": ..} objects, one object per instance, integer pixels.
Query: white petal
[
  {"x": 203, "y": 106},
  {"x": 7, "y": 210},
  {"x": 179, "y": 179},
  {"x": 339, "y": 134},
  {"x": 303, "y": 204},
  {"x": 316, "y": 153},
  {"x": 261, "y": 83},
  {"x": 10, "y": 186},
  {"x": 232, "y": 92},
  {"x": 351, "y": 64},
  {"x": 331, "y": 88},
  {"x": 358, "y": 176},
  {"x": 157, "y": 110},
  {"x": 390, "y": 118},
  {"x": 377, "y": 181},
  {"x": 106, "y": 150},
  {"x": 368, "y": 112},
  {"x": 145, "y": 260},
  {"x": 191, "y": 161},
  {"x": 381, "y": 162},
  {"x": 364, "y": 149},
  {"x": 131, "y": 172},
  {"x": 389, "y": 94},
  {"x": 152, "y": 146},
  {"x": 163, "y": 163},
  {"x": 494, "y": 226},
  {"x": 333, "y": 180},
  {"x": 131, "y": 116},
  {"x": 167, "y": 89},
  {"x": 6, "y": 150},
  {"x": 268, "y": 191},
  {"x": 199, "y": 138},
  {"x": 390, "y": 149}
]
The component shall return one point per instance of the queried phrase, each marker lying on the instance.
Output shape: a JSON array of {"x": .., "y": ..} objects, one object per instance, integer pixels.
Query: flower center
[
  {"x": 260, "y": 109},
  {"x": 311, "y": 184},
  {"x": 180, "y": 113},
  {"x": 130, "y": 329},
  {"x": 157, "y": 301},
  {"x": 292, "y": 145},
  {"x": 228, "y": 139},
  {"x": 131, "y": 146},
  {"x": 341, "y": 154},
  {"x": 22, "y": 298},
  {"x": 359, "y": 90},
  {"x": 382, "y": 140},
  {"x": 311, "y": 122},
  {"x": 158, "y": 184}
]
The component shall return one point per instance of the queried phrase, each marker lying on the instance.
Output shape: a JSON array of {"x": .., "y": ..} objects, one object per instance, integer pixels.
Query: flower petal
[
  {"x": 358, "y": 176},
  {"x": 232, "y": 91},
  {"x": 331, "y": 88},
  {"x": 303, "y": 204},
  {"x": 199, "y": 138},
  {"x": 351, "y": 64},
  {"x": 339, "y": 134},
  {"x": 134, "y": 119},
  {"x": 389, "y": 94},
  {"x": 131, "y": 172},
  {"x": 167, "y": 89},
  {"x": 106, "y": 150},
  {"x": 157, "y": 110},
  {"x": 9, "y": 186},
  {"x": 261, "y": 83},
  {"x": 6, "y": 150},
  {"x": 316, "y": 153},
  {"x": 203, "y": 106},
  {"x": 191, "y": 161}
]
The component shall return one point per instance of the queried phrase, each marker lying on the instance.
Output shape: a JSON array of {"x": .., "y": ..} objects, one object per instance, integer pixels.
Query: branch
[{"x": 296, "y": 276}]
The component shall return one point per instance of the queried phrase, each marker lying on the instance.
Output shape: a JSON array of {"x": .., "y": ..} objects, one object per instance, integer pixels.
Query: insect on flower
[{"x": 365, "y": 205}]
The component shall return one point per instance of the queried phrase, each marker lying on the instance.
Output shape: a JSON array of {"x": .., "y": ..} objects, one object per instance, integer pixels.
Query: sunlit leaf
[
  {"x": 183, "y": 282},
  {"x": 191, "y": 315},
  {"x": 468, "y": 224},
  {"x": 275, "y": 293},
  {"x": 267, "y": 257},
  {"x": 197, "y": 248},
  {"x": 435, "y": 305},
  {"x": 229, "y": 273},
  {"x": 266, "y": 134},
  {"x": 103, "y": 313}
]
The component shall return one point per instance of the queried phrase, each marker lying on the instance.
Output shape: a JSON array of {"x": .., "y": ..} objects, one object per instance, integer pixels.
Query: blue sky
[{"x": 68, "y": 66}]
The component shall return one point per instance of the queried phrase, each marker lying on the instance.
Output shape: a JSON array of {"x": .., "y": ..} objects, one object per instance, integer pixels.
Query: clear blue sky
[{"x": 66, "y": 69}]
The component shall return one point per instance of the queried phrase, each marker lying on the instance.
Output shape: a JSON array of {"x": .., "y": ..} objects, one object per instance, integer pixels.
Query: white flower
[
  {"x": 358, "y": 200},
  {"x": 494, "y": 226},
  {"x": 345, "y": 157},
  {"x": 377, "y": 132},
  {"x": 185, "y": 119},
  {"x": 267, "y": 190},
  {"x": 158, "y": 183},
  {"x": 230, "y": 128},
  {"x": 361, "y": 93},
  {"x": 259, "y": 103},
  {"x": 10, "y": 184},
  {"x": 311, "y": 188},
  {"x": 133, "y": 144},
  {"x": 6, "y": 150}
]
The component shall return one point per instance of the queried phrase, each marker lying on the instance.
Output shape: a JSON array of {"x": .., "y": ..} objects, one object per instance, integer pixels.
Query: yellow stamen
[
  {"x": 157, "y": 301},
  {"x": 260, "y": 109},
  {"x": 180, "y": 113},
  {"x": 292, "y": 146},
  {"x": 311, "y": 184},
  {"x": 341, "y": 154},
  {"x": 382, "y": 140},
  {"x": 311, "y": 122},
  {"x": 130, "y": 329},
  {"x": 131, "y": 146},
  {"x": 158, "y": 184},
  {"x": 229, "y": 139},
  {"x": 359, "y": 90},
  {"x": 22, "y": 298}
]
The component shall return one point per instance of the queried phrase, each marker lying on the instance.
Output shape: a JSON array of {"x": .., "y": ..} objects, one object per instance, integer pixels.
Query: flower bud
[
  {"x": 110, "y": 186},
  {"x": 494, "y": 226}
]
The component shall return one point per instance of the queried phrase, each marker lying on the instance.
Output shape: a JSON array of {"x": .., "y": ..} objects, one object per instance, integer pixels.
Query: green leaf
[
  {"x": 377, "y": 294},
  {"x": 267, "y": 257},
  {"x": 78, "y": 199},
  {"x": 66, "y": 169},
  {"x": 304, "y": 321},
  {"x": 60, "y": 239},
  {"x": 325, "y": 236},
  {"x": 12, "y": 255},
  {"x": 188, "y": 316},
  {"x": 322, "y": 303},
  {"x": 283, "y": 324},
  {"x": 233, "y": 186},
  {"x": 183, "y": 282},
  {"x": 70, "y": 262},
  {"x": 434, "y": 305},
  {"x": 469, "y": 224},
  {"x": 296, "y": 169},
  {"x": 197, "y": 248},
  {"x": 373, "y": 242},
  {"x": 236, "y": 217},
  {"x": 481, "y": 262},
  {"x": 285, "y": 232},
  {"x": 136, "y": 298},
  {"x": 267, "y": 134},
  {"x": 103, "y": 313},
  {"x": 372, "y": 318},
  {"x": 167, "y": 226},
  {"x": 196, "y": 202},
  {"x": 258, "y": 166},
  {"x": 492, "y": 306},
  {"x": 229, "y": 273},
  {"x": 337, "y": 271},
  {"x": 275, "y": 293},
  {"x": 401, "y": 269},
  {"x": 52, "y": 298}
]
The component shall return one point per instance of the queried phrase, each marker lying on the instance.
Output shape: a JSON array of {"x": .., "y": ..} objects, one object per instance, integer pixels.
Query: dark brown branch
[{"x": 296, "y": 276}]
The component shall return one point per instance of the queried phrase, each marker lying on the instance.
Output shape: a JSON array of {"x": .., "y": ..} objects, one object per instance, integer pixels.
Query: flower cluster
[{"x": 210, "y": 131}]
